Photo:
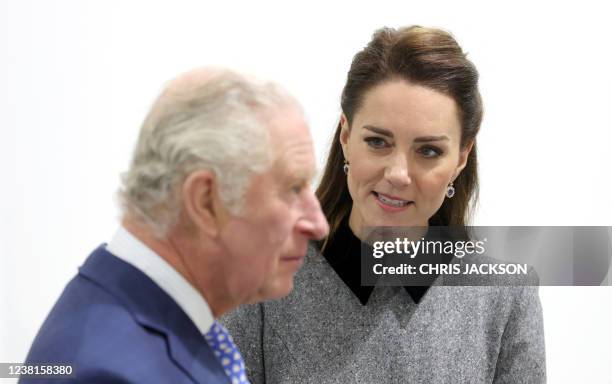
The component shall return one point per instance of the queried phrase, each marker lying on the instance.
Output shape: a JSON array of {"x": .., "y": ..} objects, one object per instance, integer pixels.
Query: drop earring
[
  {"x": 450, "y": 190},
  {"x": 345, "y": 168}
]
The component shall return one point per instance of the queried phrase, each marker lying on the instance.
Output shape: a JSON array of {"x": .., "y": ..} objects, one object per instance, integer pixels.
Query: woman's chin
[{"x": 395, "y": 222}]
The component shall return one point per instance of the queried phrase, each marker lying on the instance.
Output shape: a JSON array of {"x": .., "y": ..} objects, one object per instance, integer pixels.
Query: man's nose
[
  {"x": 313, "y": 223},
  {"x": 397, "y": 172}
]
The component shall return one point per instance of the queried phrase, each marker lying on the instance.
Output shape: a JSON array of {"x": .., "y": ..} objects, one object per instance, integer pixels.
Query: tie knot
[
  {"x": 217, "y": 333},
  {"x": 227, "y": 353}
]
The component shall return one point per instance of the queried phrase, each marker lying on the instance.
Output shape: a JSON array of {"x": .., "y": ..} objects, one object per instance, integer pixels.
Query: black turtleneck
[{"x": 343, "y": 254}]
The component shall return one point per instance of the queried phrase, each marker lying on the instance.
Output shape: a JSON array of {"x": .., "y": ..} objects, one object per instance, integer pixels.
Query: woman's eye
[
  {"x": 375, "y": 142},
  {"x": 430, "y": 152}
]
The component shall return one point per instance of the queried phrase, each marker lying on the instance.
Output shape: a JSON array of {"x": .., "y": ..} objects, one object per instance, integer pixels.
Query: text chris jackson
[{"x": 452, "y": 269}]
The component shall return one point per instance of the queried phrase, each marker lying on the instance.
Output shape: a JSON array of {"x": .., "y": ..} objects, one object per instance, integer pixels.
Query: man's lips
[
  {"x": 292, "y": 258},
  {"x": 293, "y": 261},
  {"x": 295, "y": 256}
]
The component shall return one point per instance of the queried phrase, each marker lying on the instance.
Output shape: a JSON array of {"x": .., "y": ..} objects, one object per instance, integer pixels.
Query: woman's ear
[
  {"x": 463, "y": 157},
  {"x": 344, "y": 134}
]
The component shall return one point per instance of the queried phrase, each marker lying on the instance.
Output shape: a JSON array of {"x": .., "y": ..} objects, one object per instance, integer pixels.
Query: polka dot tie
[{"x": 226, "y": 351}]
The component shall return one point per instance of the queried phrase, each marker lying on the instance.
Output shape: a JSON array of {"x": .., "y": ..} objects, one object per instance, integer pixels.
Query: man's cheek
[{"x": 282, "y": 232}]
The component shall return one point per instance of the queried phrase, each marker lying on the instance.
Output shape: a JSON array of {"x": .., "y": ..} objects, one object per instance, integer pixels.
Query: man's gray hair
[{"x": 206, "y": 119}]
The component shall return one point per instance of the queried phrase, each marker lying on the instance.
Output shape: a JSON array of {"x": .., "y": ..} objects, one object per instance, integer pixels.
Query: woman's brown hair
[{"x": 423, "y": 56}]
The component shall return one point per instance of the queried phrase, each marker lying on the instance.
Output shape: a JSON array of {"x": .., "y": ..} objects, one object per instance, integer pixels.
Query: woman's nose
[{"x": 397, "y": 172}]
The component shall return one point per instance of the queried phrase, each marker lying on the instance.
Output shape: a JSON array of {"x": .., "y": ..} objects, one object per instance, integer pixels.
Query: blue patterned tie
[{"x": 226, "y": 351}]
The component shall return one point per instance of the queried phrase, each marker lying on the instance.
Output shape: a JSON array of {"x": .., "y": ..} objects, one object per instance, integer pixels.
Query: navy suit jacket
[{"x": 113, "y": 324}]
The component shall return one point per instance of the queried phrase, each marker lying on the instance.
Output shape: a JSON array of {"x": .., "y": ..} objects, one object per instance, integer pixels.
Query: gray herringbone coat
[{"x": 321, "y": 333}]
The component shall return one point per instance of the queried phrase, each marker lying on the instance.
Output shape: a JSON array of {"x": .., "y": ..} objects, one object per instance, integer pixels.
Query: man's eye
[
  {"x": 431, "y": 152},
  {"x": 375, "y": 142},
  {"x": 298, "y": 188}
]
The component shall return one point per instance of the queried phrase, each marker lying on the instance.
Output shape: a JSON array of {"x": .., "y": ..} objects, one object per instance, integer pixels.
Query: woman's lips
[{"x": 390, "y": 203}]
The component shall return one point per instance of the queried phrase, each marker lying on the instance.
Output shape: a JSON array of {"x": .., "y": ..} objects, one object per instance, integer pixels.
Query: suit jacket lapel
[{"x": 153, "y": 308}]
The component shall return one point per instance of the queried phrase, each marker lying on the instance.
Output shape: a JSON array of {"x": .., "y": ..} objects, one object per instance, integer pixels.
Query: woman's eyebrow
[
  {"x": 422, "y": 139},
  {"x": 380, "y": 131},
  {"x": 425, "y": 139}
]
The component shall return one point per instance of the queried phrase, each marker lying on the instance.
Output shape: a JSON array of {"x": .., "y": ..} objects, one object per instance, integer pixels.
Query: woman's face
[{"x": 404, "y": 150}]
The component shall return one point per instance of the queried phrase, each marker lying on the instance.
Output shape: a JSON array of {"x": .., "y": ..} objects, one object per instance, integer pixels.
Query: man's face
[{"x": 267, "y": 242}]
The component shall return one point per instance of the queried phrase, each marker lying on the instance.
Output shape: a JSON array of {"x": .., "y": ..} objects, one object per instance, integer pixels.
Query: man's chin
[{"x": 275, "y": 290}]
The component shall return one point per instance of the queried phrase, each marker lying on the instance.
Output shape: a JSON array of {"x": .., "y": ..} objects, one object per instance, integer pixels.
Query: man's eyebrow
[
  {"x": 380, "y": 131},
  {"x": 302, "y": 176}
]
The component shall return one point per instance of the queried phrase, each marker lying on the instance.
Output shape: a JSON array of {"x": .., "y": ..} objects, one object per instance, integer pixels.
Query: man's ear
[
  {"x": 344, "y": 134},
  {"x": 463, "y": 157},
  {"x": 199, "y": 201}
]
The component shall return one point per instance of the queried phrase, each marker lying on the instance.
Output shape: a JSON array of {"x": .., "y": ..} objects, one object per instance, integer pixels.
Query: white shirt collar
[{"x": 128, "y": 248}]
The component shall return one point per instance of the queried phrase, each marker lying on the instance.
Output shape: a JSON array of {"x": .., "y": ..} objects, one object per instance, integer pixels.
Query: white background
[{"x": 77, "y": 77}]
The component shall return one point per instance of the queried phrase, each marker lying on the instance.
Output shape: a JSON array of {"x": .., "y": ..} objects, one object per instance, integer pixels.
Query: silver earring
[
  {"x": 450, "y": 190},
  {"x": 345, "y": 168}
]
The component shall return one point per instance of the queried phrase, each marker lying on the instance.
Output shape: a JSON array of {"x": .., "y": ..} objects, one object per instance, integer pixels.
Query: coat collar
[
  {"x": 154, "y": 309},
  {"x": 343, "y": 255}
]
